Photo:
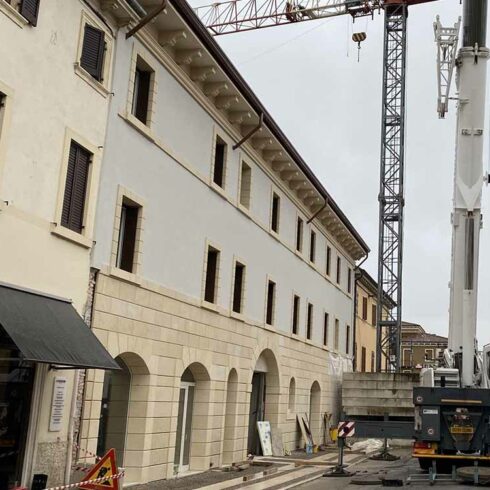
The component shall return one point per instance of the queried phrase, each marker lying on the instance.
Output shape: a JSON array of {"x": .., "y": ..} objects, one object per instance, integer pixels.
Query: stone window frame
[
  {"x": 221, "y": 134},
  {"x": 271, "y": 325},
  {"x": 309, "y": 303},
  {"x": 275, "y": 191},
  {"x": 12, "y": 12},
  {"x": 5, "y": 122},
  {"x": 85, "y": 238},
  {"x": 244, "y": 161},
  {"x": 135, "y": 276},
  {"x": 213, "y": 306},
  {"x": 297, "y": 334},
  {"x": 102, "y": 87},
  {"x": 237, "y": 259},
  {"x": 146, "y": 129}
]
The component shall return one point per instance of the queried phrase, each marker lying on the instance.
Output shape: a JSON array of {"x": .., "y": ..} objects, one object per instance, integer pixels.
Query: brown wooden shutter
[
  {"x": 92, "y": 58},
  {"x": 29, "y": 9},
  {"x": 75, "y": 188}
]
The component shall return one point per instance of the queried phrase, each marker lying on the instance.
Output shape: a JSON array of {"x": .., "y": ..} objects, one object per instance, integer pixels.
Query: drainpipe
[
  {"x": 146, "y": 19},
  {"x": 354, "y": 322},
  {"x": 318, "y": 212}
]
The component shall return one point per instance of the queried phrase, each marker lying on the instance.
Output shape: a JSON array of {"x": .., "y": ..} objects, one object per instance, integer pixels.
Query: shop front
[{"x": 43, "y": 341}]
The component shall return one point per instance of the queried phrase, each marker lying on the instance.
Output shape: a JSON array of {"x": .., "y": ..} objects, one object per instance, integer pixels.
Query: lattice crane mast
[{"x": 245, "y": 15}]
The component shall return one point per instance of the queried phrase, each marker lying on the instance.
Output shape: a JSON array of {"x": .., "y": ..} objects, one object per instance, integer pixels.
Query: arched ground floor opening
[{"x": 264, "y": 398}]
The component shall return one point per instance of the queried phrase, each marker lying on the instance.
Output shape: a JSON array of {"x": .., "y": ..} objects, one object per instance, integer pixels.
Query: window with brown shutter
[
  {"x": 92, "y": 58},
  {"x": 75, "y": 187},
  {"x": 364, "y": 308},
  {"x": 373, "y": 314},
  {"x": 363, "y": 360},
  {"x": 141, "y": 92},
  {"x": 29, "y": 9}
]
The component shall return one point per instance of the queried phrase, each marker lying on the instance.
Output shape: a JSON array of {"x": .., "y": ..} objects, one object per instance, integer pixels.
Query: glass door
[
  {"x": 184, "y": 427},
  {"x": 16, "y": 385}
]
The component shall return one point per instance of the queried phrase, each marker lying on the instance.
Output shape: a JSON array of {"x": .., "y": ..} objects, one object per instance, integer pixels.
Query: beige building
[
  {"x": 365, "y": 323},
  {"x": 420, "y": 349},
  {"x": 53, "y": 115},
  {"x": 223, "y": 269}
]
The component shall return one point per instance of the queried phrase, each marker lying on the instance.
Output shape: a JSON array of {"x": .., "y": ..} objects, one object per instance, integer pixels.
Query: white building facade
[
  {"x": 53, "y": 116},
  {"x": 223, "y": 269}
]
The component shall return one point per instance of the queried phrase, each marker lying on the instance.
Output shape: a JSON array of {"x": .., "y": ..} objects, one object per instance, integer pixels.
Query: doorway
[
  {"x": 16, "y": 386},
  {"x": 184, "y": 422},
  {"x": 256, "y": 412}
]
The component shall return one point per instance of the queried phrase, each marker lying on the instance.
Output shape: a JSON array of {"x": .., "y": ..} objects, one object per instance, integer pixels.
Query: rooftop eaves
[{"x": 180, "y": 37}]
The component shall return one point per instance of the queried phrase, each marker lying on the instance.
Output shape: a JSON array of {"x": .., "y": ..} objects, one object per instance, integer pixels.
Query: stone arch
[
  {"x": 191, "y": 450},
  {"x": 315, "y": 416},
  {"x": 125, "y": 395},
  {"x": 264, "y": 397},
  {"x": 229, "y": 433}
]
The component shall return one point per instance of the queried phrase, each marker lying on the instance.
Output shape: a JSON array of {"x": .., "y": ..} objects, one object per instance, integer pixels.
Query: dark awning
[{"x": 49, "y": 330}]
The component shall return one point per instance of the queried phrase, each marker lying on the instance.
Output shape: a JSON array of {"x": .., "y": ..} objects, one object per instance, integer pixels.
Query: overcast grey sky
[{"x": 329, "y": 105}]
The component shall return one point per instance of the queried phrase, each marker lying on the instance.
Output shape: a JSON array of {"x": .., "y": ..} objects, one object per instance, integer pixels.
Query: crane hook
[{"x": 359, "y": 37}]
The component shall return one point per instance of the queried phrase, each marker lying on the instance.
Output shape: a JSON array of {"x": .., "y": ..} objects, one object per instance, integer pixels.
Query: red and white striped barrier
[
  {"x": 90, "y": 482},
  {"x": 346, "y": 429}
]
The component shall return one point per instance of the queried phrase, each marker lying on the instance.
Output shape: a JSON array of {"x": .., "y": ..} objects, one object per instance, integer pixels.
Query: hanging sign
[{"x": 57, "y": 404}]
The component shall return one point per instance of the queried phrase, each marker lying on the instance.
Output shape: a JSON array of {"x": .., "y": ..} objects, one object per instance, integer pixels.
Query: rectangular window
[
  {"x": 329, "y": 259},
  {"x": 347, "y": 339},
  {"x": 364, "y": 308},
  {"x": 363, "y": 360},
  {"x": 299, "y": 235},
  {"x": 72, "y": 215},
  {"x": 220, "y": 148},
  {"x": 339, "y": 270},
  {"x": 143, "y": 77},
  {"x": 271, "y": 300},
  {"x": 407, "y": 354},
  {"x": 238, "y": 287},
  {"x": 296, "y": 306},
  {"x": 373, "y": 314},
  {"x": 325, "y": 329},
  {"x": 429, "y": 354},
  {"x": 211, "y": 284},
  {"x": 127, "y": 235},
  {"x": 312, "y": 246},
  {"x": 93, "y": 48},
  {"x": 336, "y": 335},
  {"x": 276, "y": 203},
  {"x": 349, "y": 280},
  {"x": 309, "y": 321},
  {"x": 245, "y": 185}
]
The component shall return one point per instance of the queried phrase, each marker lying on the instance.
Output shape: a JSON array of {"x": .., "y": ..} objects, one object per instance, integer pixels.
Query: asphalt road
[{"x": 369, "y": 472}]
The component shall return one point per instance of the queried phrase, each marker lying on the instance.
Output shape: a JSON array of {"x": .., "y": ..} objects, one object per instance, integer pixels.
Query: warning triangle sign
[{"x": 105, "y": 468}]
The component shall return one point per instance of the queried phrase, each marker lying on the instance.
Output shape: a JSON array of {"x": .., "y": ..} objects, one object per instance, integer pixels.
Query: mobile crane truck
[{"x": 452, "y": 405}]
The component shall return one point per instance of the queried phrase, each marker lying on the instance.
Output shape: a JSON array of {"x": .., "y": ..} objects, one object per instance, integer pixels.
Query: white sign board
[
  {"x": 58, "y": 404},
  {"x": 264, "y": 429}
]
